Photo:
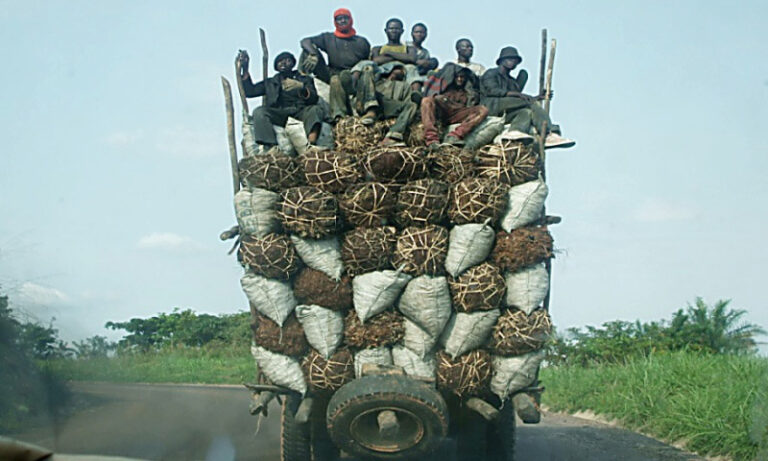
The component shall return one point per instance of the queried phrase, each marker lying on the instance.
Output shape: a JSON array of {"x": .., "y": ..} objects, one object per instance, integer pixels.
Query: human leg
[
  {"x": 468, "y": 118},
  {"x": 429, "y": 118},
  {"x": 263, "y": 119},
  {"x": 405, "y": 111},
  {"x": 312, "y": 116}
]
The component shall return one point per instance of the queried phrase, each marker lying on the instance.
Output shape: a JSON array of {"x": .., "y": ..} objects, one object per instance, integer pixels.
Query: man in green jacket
[{"x": 503, "y": 95}]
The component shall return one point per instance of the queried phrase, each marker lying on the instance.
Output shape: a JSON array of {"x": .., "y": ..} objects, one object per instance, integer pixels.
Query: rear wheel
[{"x": 295, "y": 442}]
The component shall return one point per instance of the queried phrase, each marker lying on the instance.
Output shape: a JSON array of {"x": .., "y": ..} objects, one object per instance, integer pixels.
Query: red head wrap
[{"x": 349, "y": 31}]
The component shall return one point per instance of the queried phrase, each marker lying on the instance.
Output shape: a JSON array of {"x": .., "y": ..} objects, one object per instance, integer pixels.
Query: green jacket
[{"x": 494, "y": 85}]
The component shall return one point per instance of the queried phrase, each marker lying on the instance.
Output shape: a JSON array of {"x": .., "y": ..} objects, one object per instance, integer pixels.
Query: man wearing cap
[
  {"x": 450, "y": 99},
  {"x": 464, "y": 51},
  {"x": 287, "y": 94},
  {"x": 503, "y": 95},
  {"x": 344, "y": 49}
]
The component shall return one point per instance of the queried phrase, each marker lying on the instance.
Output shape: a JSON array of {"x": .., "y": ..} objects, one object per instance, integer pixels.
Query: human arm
[
  {"x": 409, "y": 57},
  {"x": 251, "y": 90},
  {"x": 378, "y": 58},
  {"x": 491, "y": 86},
  {"x": 309, "y": 93}
]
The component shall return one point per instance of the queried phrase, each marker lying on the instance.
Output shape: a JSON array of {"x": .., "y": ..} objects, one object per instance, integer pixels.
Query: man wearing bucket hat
[
  {"x": 503, "y": 95},
  {"x": 287, "y": 94}
]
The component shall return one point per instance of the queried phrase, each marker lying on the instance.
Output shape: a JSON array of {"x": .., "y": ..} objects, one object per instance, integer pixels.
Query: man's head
[
  {"x": 394, "y": 30},
  {"x": 509, "y": 58},
  {"x": 418, "y": 33},
  {"x": 342, "y": 19},
  {"x": 284, "y": 62},
  {"x": 464, "y": 48},
  {"x": 462, "y": 76}
]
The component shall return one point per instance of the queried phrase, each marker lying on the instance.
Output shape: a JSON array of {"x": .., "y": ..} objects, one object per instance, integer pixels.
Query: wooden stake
[
  {"x": 550, "y": 70},
  {"x": 264, "y": 56},
  {"x": 543, "y": 62},
  {"x": 240, "y": 89},
  {"x": 231, "y": 134}
]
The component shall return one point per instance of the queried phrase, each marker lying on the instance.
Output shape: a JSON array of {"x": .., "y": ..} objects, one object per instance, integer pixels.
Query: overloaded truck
[{"x": 399, "y": 295}]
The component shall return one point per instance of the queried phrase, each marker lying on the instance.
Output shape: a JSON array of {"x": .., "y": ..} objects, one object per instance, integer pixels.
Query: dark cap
[
  {"x": 509, "y": 52},
  {"x": 283, "y": 55}
]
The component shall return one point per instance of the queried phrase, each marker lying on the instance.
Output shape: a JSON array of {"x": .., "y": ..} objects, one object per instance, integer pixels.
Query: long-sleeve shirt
[{"x": 276, "y": 96}]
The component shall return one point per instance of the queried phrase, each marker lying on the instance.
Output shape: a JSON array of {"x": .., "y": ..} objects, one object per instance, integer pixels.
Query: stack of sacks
[{"x": 389, "y": 255}]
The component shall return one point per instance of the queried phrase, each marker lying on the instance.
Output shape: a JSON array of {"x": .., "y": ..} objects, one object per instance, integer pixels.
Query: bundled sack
[
  {"x": 323, "y": 255},
  {"x": 417, "y": 340},
  {"x": 414, "y": 365},
  {"x": 314, "y": 287},
  {"x": 287, "y": 340},
  {"x": 517, "y": 333},
  {"x": 272, "y": 171},
  {"x": 479, "y": 288},
  {"x": 280, "y": 369},
  {"x": 323, "y": 327},
  {"x": 468, "y": 245},
  {"x": 422, "y": 250},
  {"x": 255, "y": 212},
  {"x": 383, "y": 329},
  {"x": 272, "y": 298},
  {"x": 374, "y": 292},
  {"x": 477, "y": 200},
  {"x": 510, "y": 374},
  {"x": 509, "y": 162},
  {"x": 376, "y": 356},
  {"x": 527, "y": 288},
  {"x": 466, "y": 332},
  {"x": 465, "y": 375},
  {"x": 294, "y": 131},
  {"x": 368, "y": 249},
  {"x": 521, "y": 248},
  {"x": 249, "y": 137},
  {"x": 422, "y": 202},
  {"x": 450, "y": 164},
  {"x": 483, "y": 133},
  {"x": 272, "y": 256},
  {"x": 426, "y": 301},
  {"x": 308, "y": 212},
  {"x": 395, "y": 163},
  {"x": 330, "y": 171},
  {"x": 525, "y": 205},
  {"x": 329, "y": 374},
  {"x": 354, "y": 137},
  {"x": 369, "y": 204},
  {"x": 284, "y": 144}
]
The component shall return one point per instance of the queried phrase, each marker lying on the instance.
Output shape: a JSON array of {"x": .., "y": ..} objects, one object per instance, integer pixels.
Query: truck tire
[
  {"x": 295, "y": 443},
  {"x": 500, "y": 436},
  {"x": 421, "y": 413}
]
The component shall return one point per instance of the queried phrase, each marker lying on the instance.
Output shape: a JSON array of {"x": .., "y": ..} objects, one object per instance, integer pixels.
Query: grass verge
[{"x": 714, "y": 404}]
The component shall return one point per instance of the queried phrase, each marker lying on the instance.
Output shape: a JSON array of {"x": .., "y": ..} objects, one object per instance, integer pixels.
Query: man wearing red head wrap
[{"x": 344, "y": 48}]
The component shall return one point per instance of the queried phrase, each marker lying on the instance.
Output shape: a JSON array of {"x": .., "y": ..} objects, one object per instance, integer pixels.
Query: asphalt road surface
[{"x": 169, "y": 422}]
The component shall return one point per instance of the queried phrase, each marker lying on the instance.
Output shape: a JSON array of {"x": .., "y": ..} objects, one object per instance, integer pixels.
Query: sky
[{"x": 114, "y": 172}]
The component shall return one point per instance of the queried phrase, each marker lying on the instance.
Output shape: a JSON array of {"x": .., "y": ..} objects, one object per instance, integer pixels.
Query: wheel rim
[{"x": 364, "y": 429}]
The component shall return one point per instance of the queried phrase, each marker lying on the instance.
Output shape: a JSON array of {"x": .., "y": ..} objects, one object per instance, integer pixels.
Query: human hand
[
  {"x": 242, "y": 60},
  {"x": 310, "y": 63},
  {"x": 291, "y": 84}
]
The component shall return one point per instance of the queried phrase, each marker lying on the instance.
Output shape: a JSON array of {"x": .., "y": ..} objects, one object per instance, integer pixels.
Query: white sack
[
  {"x": 417, "y": 340},
  {"x": 322, "y": 255},
  {"x": 294, "y": 129},
  {"x": 272, "y": 298},
  {"x": 323, "y": 89},
  {"x": 280, "y": 369},
  {"x": 468, "y": 331},
  {"x": 375, "y": 291},
  {"x": 325, "y": 139},
  {"x": 527, "y": 288},
  {"x": 524, "y": 205},
  {"x": 484, "y": 133},
  {"x": 468, "y": 245},
  {"x": 414, "y": 365},
  {"x": 323, "y": 327},
  {"x": 283, "y": 141},
  {"x": 377, "y": 355},
  {"x": 511, "y": 374},
  {"x": 255, "y": 213},
  {"x": 249, "y": 137},
  {"x": 426, "y": 301}
]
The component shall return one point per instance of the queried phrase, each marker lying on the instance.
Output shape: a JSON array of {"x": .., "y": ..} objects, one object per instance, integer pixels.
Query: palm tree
[{"x": 714, "y": 329}]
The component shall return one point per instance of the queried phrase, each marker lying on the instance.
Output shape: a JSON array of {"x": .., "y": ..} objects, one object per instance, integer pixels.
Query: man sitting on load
[
  {"x": 424, "y": 62},
  {"x": 464, "y": 51},
  {"x": 287, "y": 94},
  {"x": 344, "y": 49},
  {"x": 385, "y": 56},
  {"x": 503, "y": 95},
  {"x": 395, "y": 99},
  {"x": 451, "y": 99}
]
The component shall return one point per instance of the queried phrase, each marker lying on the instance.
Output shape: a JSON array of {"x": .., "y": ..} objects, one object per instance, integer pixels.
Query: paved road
[{"x": 212, "y": 423}]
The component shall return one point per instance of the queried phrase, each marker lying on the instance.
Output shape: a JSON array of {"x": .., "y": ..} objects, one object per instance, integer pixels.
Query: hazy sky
[{"x": 114, "y": 175}]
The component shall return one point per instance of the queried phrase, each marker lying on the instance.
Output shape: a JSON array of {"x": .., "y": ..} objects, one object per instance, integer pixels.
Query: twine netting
[
  {"x": 396, "y": 163},
  {"x": 315, "y": 287},
  {"x": 330, "y": 171},
  {"x": 415, "y": 137},
  {"x": 422, "y": 250},
  {"x": 481, "y": 287},
  {"x": 451, "y": 164},
  {"x": 521, "y": 247},
  {"x": 272, "y": 256},
  {"x": 272, "y": 171},
  {"x": 422, "y": 202},
  {"x": 509, "y": 162},
  {"x": 288, "y": 340},
  {"x": 467, "y": 374},
  {"x": 308, "y": 212},
  {"x": 476, "y": 200},
  {"x": 516, "y": 333},
  {"x": 355, "y": 138},
  {"x": 329, "y": 374},
  {"x": 383, "y": 329},
  {"x": 368, "y": 204},
  {"x": 368, "y": 249}
]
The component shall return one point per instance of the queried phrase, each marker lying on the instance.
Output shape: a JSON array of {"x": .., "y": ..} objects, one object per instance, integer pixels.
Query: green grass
[
  {"x": 715, "y": 404},
  {"x": 166, "y": 366}
]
